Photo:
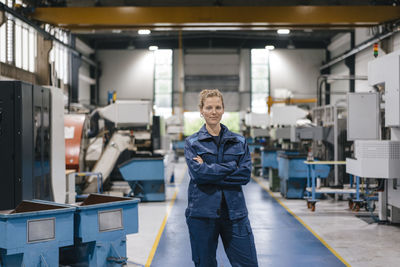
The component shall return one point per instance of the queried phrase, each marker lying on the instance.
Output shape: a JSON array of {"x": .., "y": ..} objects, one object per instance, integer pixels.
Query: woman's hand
[{"x": 198, "y": 159}]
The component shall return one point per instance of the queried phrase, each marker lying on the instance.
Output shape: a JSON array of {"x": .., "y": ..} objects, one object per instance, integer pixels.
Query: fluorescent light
[
  {"x": 116, "y": 31},
  {"x": 283, "y": 31},
  {"x": 144, "y": 32},
  {"x": 270, "y": 47},
  {"x": 153, "y": 48}
]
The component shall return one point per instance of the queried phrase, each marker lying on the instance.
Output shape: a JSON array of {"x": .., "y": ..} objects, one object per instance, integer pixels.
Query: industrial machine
[
  {"x": 75, "y": 141},
  {"x": 283, "y": 156},
  {"x": 34, "y": 231},
  {"x": 257, "y": 125},
  {"x": 376, "y": 152},
  {"x": 269, "y": 167},
  {"x": 30, "y": 118},
  {"x": 255, "y": 128},
  {"x": 125, "y": 130},
  {"x": 283, "y": 125},
  {"x": 325, "y": 139}
]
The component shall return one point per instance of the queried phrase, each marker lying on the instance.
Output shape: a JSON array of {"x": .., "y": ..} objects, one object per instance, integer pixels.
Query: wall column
[{"x": 42, "y": 64}]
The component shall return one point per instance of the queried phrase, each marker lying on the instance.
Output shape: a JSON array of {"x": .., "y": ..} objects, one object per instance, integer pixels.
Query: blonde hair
[{"x": 205, "y": 93}]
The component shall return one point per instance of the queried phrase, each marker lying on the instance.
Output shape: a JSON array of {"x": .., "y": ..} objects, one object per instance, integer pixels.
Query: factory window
[
  {"x": 59, "y": 55},
  {"x": 25, "y": 46},
  {"x": 7, "y": 36},
  {"x": 259, "y": 80},
  {"x": 17, "y": 42},
  {"x": 3, "y": 41},
  {"x": 163, "y": 82}
]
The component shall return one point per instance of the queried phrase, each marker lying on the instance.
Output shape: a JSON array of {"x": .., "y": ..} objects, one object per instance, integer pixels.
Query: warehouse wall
[
  {"x": 339, "y": 88},
  {"x": 340, "y": 44},
  {"x": 129, "y": 72},
  {"x": 201, "y": 64},
  {"x": 296, "y": 70},
  {"x": 178, "y": 74},
  {"x": 84, "y": 81},
  {"x": 245, "y": 79},
  {"x": 84, "y": 84},
  {"x": 396, "y": 41}
]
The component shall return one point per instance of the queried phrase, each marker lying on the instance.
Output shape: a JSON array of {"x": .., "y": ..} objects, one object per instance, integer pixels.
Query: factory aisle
[{"x": 281, "y": 240}]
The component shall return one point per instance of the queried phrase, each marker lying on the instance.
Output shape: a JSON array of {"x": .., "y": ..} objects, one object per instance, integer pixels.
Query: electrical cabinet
[{"x": 25, "y": 143}]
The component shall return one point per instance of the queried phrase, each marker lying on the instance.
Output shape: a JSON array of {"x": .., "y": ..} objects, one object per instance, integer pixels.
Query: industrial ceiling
[{"x": 107, "y": 24}]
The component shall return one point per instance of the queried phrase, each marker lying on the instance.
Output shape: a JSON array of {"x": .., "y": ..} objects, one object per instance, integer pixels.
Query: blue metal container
[
  {"x": 33, "y": 232},
  {"x": 292, "y": 172},
  {"x": 249, "y": 140},
  {"x": 178, "y": 145},
  {"x": 101, "y": 225},
  {"x": 145, "y": 177},
  {"x": 253, "y": 147},
  {"x": 179, "y": 149},
  {"x": 269, "y": 159}
]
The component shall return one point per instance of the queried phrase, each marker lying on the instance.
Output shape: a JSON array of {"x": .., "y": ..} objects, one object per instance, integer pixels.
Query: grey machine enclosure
[
  {"x": 363, "y": 116},
  {"x": 24, "y": 143}
]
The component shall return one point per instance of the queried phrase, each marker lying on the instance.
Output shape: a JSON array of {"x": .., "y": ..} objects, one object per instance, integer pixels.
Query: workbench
[{"x": 311, "y": 184}]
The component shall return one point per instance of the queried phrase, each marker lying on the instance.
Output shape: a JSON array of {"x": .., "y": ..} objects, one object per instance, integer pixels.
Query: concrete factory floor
[{"x": 286, "y": 232}]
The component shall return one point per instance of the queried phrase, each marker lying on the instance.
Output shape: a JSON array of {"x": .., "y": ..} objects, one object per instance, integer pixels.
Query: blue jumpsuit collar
[{"x": 226, "y": 134}]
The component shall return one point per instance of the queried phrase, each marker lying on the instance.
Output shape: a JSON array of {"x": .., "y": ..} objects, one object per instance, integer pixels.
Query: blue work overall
[{"x": 216, "y": 204}]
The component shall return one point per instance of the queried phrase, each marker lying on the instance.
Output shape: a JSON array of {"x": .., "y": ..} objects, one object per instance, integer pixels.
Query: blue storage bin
[
  {"x": 101, "y": 225},
  {"x": 253, "y": 147},
  {"x": 292, "y": 172},
  {"x": 178, "y": 145},
  {"x": 145, "y": 177},
  {"x": 293, "y": 166},
  {"x": 32, "y": 233},
  {"x": 269, "y": 159}
]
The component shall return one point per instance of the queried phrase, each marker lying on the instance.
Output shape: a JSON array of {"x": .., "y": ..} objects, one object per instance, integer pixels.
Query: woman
[{"x": 219, "y": 164}]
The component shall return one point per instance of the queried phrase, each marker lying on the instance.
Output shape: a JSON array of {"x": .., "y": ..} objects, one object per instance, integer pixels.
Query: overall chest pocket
[{"x": 233, "y": 153}]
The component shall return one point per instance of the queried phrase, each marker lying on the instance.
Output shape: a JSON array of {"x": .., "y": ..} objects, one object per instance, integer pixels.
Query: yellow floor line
[
  {"x": 161, "y": 230},
  {"x": 303, "y": 223}
]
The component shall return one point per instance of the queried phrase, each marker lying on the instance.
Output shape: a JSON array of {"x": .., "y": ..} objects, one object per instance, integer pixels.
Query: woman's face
[{"x": 212, "y": 110}]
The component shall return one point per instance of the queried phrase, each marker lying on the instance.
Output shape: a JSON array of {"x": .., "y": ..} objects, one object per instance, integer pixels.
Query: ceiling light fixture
[
  {"x": 153, "y": 48},
  {"x": 144, "y": 32},
  {"x": 270, "y": 47},
  {"x": 283, "y": 31}
]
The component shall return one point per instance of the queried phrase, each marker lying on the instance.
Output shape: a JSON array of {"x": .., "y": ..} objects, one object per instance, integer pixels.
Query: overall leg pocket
[{"x": 239, "y": 243}]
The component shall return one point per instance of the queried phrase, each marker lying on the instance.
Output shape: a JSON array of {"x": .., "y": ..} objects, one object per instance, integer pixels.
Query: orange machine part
[{"x": 73, "y": 128}]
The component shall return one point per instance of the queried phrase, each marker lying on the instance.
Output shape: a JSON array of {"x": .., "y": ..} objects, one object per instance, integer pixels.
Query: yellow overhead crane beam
[
  {"x": 289, "y": 101},
  {"x": 221, "y": 17}
]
